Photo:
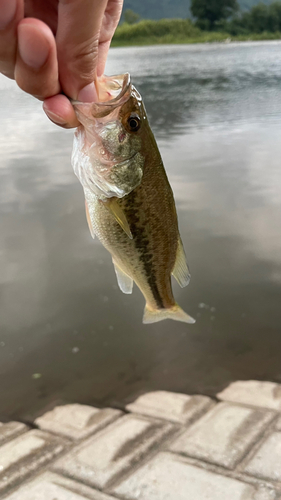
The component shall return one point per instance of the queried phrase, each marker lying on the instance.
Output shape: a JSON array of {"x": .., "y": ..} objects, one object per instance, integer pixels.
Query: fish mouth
[
  {"x": 113, "y": 91},
  {"x": 112, "y": 88}
]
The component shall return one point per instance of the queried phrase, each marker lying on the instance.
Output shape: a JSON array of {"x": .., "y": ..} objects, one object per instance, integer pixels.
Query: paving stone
[
  {"x": 266, "y": 463},
  {"x": 11, "y": 430},
  {"x": 106, "y": 455},
  {"x": 76, "y": 421},
  {"x": 224, "y": 434},
  {"x": 49, "y": 486},
  {"x": 252, "y": 392},
  {"x": 278, "y": 424},
  {"x": 26, "y": 453},
  {"x": 266, "y": 493},
  {"x": 171, "y": 406},
  {"x": 170, "y": 477}
]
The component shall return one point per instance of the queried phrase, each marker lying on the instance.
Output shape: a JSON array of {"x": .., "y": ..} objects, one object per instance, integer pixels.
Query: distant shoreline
[
  {"x": 178, "y": 31},
  {"x": 219, "y": 38}
]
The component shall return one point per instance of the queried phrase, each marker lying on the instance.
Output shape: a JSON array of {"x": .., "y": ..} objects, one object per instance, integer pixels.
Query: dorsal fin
[
  {"x": 125, "y": 282},
  {"x": 181, "y": 272},
  {"x": 114, "y": 207}
]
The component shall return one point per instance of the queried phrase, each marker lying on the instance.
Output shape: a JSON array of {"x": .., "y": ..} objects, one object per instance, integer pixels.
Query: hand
[{"x": 55, "y": 46}]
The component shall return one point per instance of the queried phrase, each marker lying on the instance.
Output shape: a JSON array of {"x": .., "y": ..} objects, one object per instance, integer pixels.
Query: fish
[{"x": 129, "y": 202}]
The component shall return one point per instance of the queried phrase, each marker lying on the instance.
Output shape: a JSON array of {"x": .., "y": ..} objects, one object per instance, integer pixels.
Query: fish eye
[{"x": 134, "y": 122}]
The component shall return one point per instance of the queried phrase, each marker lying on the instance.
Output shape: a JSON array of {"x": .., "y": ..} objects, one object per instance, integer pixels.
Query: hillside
[
  {"x": 248, "y": 4},
  {"x": 158, "y": 9}
]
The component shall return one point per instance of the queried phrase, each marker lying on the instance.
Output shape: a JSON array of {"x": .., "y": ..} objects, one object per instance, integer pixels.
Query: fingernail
[
  {"x": 7, "y": 12},
  {"x": 33, "y": 47},
  {"x": 88, "y": 93},
  {"x": 58, "y": 120}
]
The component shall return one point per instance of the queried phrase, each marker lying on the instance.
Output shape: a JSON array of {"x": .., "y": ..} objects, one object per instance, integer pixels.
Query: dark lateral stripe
[
  {"x": 153, "y": 286},
  {"x": 147, "y": 260},
  {"x": 141, "y": 243}
]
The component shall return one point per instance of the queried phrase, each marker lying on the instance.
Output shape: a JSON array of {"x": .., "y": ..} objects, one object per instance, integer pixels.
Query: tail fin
[{"x": 175, "y": 313}]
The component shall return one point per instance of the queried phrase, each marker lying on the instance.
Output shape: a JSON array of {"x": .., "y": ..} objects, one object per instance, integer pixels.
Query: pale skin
[{"x": 55, "y": 49}]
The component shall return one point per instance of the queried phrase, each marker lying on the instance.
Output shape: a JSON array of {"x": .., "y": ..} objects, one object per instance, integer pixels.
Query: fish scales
[
  {"x": 140, "y": 227},
  {"x": 150, "y": 256}
]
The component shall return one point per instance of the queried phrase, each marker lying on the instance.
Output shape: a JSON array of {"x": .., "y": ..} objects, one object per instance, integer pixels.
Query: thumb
[{"x": 79, "y": 25}]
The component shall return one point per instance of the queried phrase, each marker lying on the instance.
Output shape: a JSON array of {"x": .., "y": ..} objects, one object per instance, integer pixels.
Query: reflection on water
[{"x": 216, "y": 111}]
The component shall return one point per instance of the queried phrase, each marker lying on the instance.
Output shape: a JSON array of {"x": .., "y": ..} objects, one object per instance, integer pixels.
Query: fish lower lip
[
  {"x": 127, "y": 160},
  {"x": 116, "y": 163},
  {"x": 120, "y": 163}
]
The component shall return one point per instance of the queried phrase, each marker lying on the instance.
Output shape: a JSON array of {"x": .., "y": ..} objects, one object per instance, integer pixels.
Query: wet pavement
[{"x": 163, "y": 445}]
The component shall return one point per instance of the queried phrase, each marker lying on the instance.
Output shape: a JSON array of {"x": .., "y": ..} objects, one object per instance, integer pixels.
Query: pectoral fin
[
  {"x": 89, "y": 220},
  {"x": 181, "y": 272},
  {"x": 119, "y": 215},
  {"x": 124, "y": 281}
]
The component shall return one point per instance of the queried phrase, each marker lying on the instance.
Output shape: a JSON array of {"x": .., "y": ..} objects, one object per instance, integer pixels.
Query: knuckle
[
  {"x": 37, "y": 87},
  {"x": 7, "y": 69},
  {"x": 81, "y": 60},
  {"x": 7, "y": 55},
  {"x": 7, "y": 63}
]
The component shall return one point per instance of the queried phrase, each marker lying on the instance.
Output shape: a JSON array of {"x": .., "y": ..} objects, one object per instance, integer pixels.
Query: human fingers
[
  {"x": 36, "y": 70},
  {"x": 109, "y": 24},
  {"x": 11, "y": 12},
  {"x": 59, "y": 108},
  {"x": 78, "y": 33},
  {"x": 60, "y": 111}
]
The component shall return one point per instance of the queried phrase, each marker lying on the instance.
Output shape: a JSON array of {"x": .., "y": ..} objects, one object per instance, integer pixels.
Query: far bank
[{"x": 178, "y": 31}]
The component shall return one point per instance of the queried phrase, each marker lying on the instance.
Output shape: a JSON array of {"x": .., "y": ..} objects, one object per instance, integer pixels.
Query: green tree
[
  {"x": 209, "y": 12},
  {"x": 131, "y": 17},
  {"x": 257, "y": 20},
  {"x": 274, "y": 17}
]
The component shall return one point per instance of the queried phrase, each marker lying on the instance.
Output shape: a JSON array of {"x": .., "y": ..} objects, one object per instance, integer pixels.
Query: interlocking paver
[
  {"x": 115, "y": 454},
  {"x": 170, "y": 477},
  {"x": 11, "y": 430},
  {"x": 266, "y": 493},
  {"x": 266, "y": 463},
  {"x": 224, "y": 434},
  {"x": 112, "y": 451},
  {"x": 76, "y": 421},
  {"x": 50, "y": 486},
  {"x": 252, "y": 392},
  {"x": 278, "y": 424},
  {"x": 179, "y": 408},
  {"x": 22, "y": 455}
]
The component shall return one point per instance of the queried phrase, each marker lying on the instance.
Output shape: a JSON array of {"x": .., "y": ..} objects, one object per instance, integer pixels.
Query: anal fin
[
  {"x": 89, "y": 220},
  {"x": 124, "y": 281},
  {"x": 181, "y": 272},
  {"x": 119, "y": 215}
]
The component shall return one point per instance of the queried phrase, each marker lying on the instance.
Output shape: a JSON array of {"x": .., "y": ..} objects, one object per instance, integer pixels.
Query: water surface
[{"x": 66, "y": 331}]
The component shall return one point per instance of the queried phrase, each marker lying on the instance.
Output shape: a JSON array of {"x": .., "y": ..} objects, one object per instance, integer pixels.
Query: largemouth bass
[{"x": 129, "y": 202}]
